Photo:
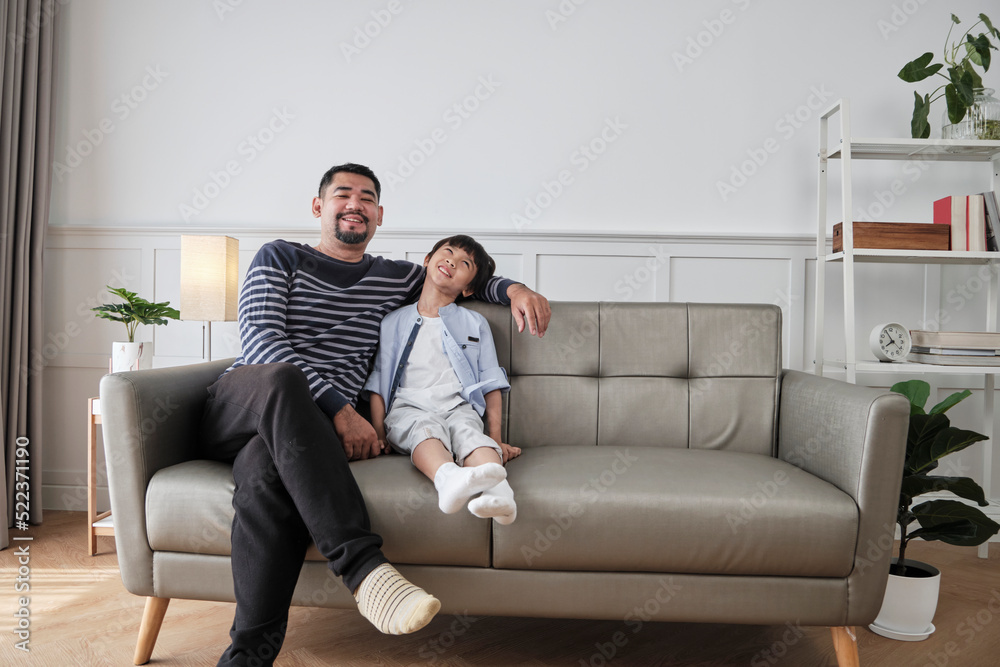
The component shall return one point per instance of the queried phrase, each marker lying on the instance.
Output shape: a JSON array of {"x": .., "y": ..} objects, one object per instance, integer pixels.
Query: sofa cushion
[
  {"x": 654, "y": 509},
  {"x": 189, "y": 508},
  {"x": 402, "y": 505},
  {"x": 703, "y": 376}
]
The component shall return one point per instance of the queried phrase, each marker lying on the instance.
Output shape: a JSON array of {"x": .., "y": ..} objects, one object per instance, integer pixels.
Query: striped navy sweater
[{"x": 300, "y": 306}]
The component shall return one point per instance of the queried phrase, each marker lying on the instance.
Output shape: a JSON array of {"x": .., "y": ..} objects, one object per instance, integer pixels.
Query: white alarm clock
[{"x": 890, "y": 342}]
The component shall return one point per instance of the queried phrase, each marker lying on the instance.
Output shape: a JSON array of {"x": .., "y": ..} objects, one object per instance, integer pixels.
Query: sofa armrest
[
  {"x": 855, "y": 438},
  {"x": 150, "y": 421}
]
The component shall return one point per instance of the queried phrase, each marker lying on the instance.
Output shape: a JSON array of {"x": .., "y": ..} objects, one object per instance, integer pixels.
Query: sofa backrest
[{"x": 700, "y": 376}]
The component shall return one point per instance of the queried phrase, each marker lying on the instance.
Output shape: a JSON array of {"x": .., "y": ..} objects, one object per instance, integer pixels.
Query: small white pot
[
  {"x": 127, "y": 356},
  {"x": 909, "y": 603}
]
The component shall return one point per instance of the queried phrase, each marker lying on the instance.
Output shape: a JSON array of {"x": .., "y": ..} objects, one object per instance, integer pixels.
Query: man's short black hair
[
  {"x": 485, "y": 266},
  {"x": 350, "y": 168}
]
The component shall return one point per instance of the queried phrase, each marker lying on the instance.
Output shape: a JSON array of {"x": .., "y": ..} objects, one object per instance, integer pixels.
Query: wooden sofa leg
[
  {"x": 152, "y": 618},
  {"x": 845, "y": 645}
]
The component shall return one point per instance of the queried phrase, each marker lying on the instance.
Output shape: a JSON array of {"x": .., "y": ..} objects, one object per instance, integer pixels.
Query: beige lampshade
[{"x": 209, "y": 277}]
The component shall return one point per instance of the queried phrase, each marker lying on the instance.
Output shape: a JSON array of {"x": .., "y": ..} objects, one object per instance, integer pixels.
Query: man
[{"x": 285, "y": 416}]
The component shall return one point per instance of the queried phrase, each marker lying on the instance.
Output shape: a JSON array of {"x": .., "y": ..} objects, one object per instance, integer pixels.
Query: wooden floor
[{"x": 82, "y": 615}]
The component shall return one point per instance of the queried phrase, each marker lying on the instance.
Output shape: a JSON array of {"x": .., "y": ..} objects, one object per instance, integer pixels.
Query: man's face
[
  {"x": 349, "y": 209},
  {"x": 451, "y": 269}
]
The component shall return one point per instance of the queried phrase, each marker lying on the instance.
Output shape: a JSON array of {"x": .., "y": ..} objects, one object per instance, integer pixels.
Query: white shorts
[{"x": 460, "y": 429}]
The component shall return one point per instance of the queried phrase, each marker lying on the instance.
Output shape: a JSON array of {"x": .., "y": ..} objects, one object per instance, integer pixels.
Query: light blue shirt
[{"x": 467, "y": 341}]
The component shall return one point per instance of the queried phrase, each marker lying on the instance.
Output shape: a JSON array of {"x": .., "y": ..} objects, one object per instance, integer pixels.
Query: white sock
[
  {"x": 496, "y": 503},
  {"x": 393, "y": 604},
  {"x": 456, "y": 485}
]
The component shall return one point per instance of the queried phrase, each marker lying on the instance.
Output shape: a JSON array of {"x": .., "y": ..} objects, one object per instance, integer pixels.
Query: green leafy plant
[
  {"x": 931, "y": 437},
  {"x": 962, "y": 56},
  {"x": 135, "y": 311}
]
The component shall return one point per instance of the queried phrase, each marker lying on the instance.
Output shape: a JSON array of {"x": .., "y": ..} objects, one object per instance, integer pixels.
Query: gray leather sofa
[{"x": 672, "y": 471}]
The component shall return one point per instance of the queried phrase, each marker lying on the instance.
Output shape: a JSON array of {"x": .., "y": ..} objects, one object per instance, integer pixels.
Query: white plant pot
[
  {"x": 909, "y": 604},
  {"x": 127, "y": 356}
]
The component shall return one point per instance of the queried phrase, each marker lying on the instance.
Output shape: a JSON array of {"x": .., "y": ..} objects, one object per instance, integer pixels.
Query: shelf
[
  {"x": 947, "y": 150},
  {"x": 851, "y": 148},
  {"x": 913, "y": 367},
  {"x": 917, "y": 256}
]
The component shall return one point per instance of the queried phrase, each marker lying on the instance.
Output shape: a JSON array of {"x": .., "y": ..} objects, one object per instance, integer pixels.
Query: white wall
[
  {"x": 161, "y": 95},
  {"x": 199, "y": 116}
]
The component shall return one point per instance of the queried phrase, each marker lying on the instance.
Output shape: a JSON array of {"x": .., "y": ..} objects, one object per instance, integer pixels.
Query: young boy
[{"x": 436, "y": 377}]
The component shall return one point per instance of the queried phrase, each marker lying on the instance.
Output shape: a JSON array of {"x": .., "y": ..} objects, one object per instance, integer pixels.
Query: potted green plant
[
  {"x": 129, "y": 355},
  {"x": 964, "y": 87},
  {"x": 911, "y": 597}
]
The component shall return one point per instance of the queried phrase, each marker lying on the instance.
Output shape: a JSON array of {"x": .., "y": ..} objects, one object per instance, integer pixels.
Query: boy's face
[{"x": 451, "y": 269}]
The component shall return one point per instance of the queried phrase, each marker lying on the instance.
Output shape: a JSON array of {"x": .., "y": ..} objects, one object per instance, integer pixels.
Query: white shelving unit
[{"x": 850, "y": 149}]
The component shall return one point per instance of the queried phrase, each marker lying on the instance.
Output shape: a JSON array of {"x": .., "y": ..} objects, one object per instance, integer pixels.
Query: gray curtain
[{"x": 26, "y": 63}]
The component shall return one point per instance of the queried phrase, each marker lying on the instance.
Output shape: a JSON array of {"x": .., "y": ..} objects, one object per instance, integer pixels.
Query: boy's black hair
[
  {"x": 485, "y": 266},
  {"x": 350, "y": 168}
]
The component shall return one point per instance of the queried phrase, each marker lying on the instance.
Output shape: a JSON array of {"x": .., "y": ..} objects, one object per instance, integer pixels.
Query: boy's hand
[
  {"x": 529, "y": 308},
  {"x": 509, "y": 452},
  {"x": 356, "y": 435}
]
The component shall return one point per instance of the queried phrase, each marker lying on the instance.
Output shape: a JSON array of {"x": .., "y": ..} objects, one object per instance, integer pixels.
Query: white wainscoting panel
[
  {"x": 777, "y": 269},
  {"x": 569, "y": 277}
]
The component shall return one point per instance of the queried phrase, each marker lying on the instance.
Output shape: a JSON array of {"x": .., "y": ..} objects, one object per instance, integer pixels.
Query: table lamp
[{"x": 209, "y": 277}]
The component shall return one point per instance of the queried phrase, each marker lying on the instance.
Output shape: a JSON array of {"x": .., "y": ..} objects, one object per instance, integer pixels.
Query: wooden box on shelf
[{"x": 895, "y": 235}]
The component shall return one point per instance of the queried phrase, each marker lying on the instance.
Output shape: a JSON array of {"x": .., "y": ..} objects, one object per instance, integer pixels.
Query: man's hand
[
  {"x": 356, "y": 435},
  {"x": 529, "y": 307}
]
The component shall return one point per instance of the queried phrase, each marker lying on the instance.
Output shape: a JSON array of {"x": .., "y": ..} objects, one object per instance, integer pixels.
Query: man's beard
[{"x": 350, "y": 238}]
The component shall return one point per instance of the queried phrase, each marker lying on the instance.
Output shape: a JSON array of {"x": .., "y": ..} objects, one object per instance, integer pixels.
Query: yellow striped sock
[{"x": 393, "y": 604}]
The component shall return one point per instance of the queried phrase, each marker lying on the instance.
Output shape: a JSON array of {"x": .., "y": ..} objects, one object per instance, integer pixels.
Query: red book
[{"x": 954, "y": 211}]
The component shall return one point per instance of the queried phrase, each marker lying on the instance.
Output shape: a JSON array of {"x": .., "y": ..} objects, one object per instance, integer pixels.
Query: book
[
  {"x": 956, "y": 351},
  {"x": 952, "y": 360},
  {"x": 982, "y": 340},
  {"x": 953, "y": 211},
  {"x": 976, "y": 223},
  {"x": 992, "y": 220}
]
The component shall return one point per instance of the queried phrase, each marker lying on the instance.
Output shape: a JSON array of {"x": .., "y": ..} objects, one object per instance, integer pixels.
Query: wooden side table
[{"x": 97, "y": 524}]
